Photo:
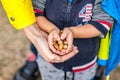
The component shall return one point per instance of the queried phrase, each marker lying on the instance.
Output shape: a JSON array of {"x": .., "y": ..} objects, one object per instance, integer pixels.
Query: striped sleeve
[
  {"x": 39, "y": 6},
  {"x": 101, "y": 20}
]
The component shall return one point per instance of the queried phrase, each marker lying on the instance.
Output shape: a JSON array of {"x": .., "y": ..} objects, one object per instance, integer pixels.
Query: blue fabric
[
  {"x": 112, "y": 8},
  {"x": 92, "y": 78},
  {"x": 102, "y": 62},
  {"x": 70, "y": 1}
]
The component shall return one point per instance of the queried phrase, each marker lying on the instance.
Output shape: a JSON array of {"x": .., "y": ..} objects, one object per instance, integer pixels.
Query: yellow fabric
[
  {"x": 104, "y": 48},
  {"x": 108, "y": 77},
  {"x": 20, "y": 12}
]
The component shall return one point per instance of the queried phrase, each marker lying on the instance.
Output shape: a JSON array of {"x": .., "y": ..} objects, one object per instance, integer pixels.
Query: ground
[{"x": 14, "y": 50}]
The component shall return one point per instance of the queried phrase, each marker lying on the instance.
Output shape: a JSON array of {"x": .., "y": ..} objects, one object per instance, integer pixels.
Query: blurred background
[{"x": 15, "y": 49}]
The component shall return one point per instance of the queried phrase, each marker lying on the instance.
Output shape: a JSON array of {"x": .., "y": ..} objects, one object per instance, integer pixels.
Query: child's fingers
[
  {"x": 69, "y": 43},
  {"x": 56, "y": 37},
  {"x": 63, "y": 35}
]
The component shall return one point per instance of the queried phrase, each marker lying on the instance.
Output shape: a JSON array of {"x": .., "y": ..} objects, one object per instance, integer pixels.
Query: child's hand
[
  {"x": 60, "y": 42},
  {"x": 52, "y": 37},
  {"x": 68, "y": 36}
]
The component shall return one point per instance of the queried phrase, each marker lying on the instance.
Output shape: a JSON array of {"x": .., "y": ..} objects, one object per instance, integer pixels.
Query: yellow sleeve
[{"x": 20, "y": 12}]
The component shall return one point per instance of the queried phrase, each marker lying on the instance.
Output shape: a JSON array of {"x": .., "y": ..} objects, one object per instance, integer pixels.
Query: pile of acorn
[{"x": 60, "y": 45}]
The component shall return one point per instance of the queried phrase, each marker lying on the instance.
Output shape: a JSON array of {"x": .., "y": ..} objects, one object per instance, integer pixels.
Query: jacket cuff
[
  {"x": 38, "y": 12},
  {"x": 100, "y": 27}
]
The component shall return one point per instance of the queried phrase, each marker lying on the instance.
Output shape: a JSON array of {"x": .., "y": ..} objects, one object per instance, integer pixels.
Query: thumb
[{"x": 63, "y": 35}]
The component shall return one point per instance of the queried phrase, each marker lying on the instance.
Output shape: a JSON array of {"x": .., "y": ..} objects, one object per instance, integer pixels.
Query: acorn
[
  {"x": 55, "y": 44},
  {"x": 60, "y": 45}
]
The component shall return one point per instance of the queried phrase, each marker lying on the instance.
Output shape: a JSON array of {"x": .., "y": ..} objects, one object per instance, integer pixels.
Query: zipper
[{"x": 69, "y": 6}]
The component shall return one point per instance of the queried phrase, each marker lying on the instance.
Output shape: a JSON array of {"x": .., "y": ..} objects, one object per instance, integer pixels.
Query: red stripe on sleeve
[
  {"x": 38, "y": 11},
  {"x": 105, "y": 22}
]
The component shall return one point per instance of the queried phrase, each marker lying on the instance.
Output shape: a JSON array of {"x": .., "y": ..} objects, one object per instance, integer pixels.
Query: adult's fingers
[
  {"x": 69, "y": 55},
  {"x": 51, "y": 57},
  {"x": 50, "y": 42}
]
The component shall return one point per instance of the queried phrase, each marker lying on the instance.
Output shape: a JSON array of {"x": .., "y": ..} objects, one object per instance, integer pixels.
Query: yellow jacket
[{"x": 20, "y": 12}]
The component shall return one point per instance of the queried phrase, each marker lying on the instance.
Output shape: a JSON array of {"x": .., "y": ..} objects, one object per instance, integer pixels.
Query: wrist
[
  {"x": 70, "y": 28},
  {"x": 56, "y": 29}
]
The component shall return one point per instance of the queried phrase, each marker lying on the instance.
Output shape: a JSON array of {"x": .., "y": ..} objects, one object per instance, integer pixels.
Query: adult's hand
[
  {"x": 34, "y": 34},
  {"x": 69, "y": 55}
]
